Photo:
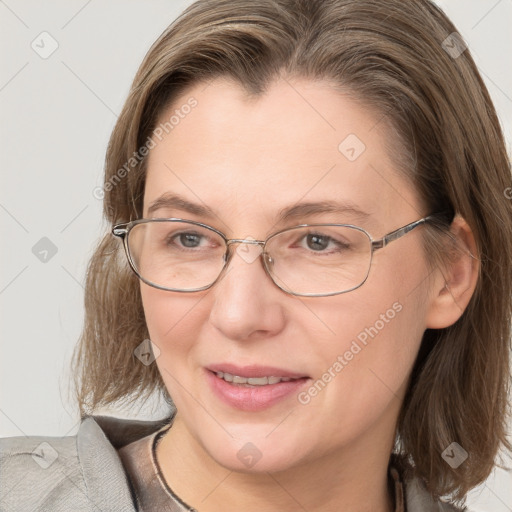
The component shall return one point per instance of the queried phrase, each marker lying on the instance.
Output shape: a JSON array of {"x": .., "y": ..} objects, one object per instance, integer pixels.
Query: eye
[
  {"x": 319, "y": 242},
  {"x": 188, "y": 239}
]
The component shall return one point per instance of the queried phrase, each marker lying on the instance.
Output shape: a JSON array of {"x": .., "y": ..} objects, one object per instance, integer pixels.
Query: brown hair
[{"x": 390, "y": 55}]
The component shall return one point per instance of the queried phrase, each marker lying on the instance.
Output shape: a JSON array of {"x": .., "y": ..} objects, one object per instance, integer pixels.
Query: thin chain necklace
[{"x": 158, "y": 471}]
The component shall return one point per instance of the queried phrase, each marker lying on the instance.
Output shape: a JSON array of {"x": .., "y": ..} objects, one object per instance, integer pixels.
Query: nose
[{"x": 247, "y": 304}]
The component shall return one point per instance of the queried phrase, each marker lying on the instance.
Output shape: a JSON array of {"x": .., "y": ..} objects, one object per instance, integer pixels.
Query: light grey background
[{"x": 57, "y": 114}]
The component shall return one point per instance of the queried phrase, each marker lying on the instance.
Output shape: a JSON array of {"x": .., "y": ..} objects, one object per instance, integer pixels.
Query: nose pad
[
  {"x": 268, "y": 259},
  {"x": 268, "y": 264}
]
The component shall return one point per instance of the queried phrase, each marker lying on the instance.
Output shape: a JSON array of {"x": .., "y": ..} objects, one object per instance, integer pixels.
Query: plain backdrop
[{"x": 57, "y": 112}]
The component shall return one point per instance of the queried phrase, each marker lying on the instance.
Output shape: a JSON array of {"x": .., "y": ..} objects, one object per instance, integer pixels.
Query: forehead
[{"x": 300, "y": 141}]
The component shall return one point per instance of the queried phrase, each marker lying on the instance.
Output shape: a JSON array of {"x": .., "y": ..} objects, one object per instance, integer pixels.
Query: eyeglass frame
[{"x": 122, "y": 231}]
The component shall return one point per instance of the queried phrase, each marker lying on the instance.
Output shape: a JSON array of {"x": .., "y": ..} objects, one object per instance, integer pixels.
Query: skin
[{"x": 246, "y": 159}]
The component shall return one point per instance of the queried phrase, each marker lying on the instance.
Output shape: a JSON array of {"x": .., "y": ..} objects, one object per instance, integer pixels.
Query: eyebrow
[
  {"x": 297, "y": 211},
  {"x": 179, "y": 203}
]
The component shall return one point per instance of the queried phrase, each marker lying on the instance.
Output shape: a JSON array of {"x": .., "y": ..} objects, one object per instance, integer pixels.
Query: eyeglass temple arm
[
  {"x": 120, "y": 230},
  {"x": 398, "y": 233}
]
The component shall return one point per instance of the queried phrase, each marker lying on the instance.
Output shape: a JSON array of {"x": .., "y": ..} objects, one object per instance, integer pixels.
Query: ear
[{"x": 455, "y": 283}]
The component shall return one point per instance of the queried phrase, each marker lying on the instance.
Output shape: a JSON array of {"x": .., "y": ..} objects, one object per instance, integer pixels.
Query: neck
[{"x": 354, "y": 478}]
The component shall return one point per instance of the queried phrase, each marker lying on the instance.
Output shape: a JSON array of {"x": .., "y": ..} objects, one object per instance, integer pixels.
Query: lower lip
[{"x": 255, "y": 398}]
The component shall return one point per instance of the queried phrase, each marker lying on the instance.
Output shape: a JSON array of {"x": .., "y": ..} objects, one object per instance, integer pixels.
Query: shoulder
[
  {"x": 81, "y": 472},
  {"x": 418, "y": 498},
  {"x": 416, "y": 495},
  {"x": 37, "y": 469}
]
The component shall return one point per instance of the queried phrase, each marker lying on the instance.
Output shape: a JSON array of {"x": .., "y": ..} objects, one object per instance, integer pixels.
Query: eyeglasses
[{"x": 310, "y": 260}]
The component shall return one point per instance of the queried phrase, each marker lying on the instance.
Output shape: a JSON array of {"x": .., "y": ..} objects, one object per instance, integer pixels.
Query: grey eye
[
  {"x": 190, "y": 239},
  {"x": 317, "y": 242}
]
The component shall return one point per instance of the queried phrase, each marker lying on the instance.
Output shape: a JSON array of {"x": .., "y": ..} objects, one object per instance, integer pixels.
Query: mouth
[
  {"x": 253, "y": 381},
  {"x": 253, "y": 388}
]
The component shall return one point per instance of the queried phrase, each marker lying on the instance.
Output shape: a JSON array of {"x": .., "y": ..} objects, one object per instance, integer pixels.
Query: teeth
[
  {"x": 227, "y": 377},
  {"x": 252, "y": 381}
]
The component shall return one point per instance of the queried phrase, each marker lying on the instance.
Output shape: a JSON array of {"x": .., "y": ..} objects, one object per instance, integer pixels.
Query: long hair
[{"x": 405, "y": 60}]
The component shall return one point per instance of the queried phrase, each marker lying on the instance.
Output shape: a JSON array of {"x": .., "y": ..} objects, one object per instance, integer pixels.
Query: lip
[
  {"x": 254, "y": 371},
  {"x": 257, "y": 398}
]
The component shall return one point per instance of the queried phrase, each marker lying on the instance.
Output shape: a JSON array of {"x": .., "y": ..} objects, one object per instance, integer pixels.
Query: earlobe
[{"x": 455, "y": 283}]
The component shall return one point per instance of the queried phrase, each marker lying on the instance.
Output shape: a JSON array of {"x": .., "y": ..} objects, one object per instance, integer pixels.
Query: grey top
[{"x": 108, "y": 466}]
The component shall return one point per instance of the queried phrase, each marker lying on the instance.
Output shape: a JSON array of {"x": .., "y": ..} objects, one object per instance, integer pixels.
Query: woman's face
[{"x": 248, "y": 160}]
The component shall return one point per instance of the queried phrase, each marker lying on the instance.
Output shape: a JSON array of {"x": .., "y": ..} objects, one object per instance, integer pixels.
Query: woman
[{"x": 311, "y": 198}]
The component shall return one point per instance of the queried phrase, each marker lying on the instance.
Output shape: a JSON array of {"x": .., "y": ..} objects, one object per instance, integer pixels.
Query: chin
[
  {"x": 258, "y": 453},
  {"x": 251, "y": 460}
]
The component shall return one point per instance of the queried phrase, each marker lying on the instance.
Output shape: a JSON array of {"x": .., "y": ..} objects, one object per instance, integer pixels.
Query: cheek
[
  {"x": 363, "y": 369},
  {"x": 168, "y": 314},
  {"x": 174, "y": 325},
  {"x": 376, "y": 343}
]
